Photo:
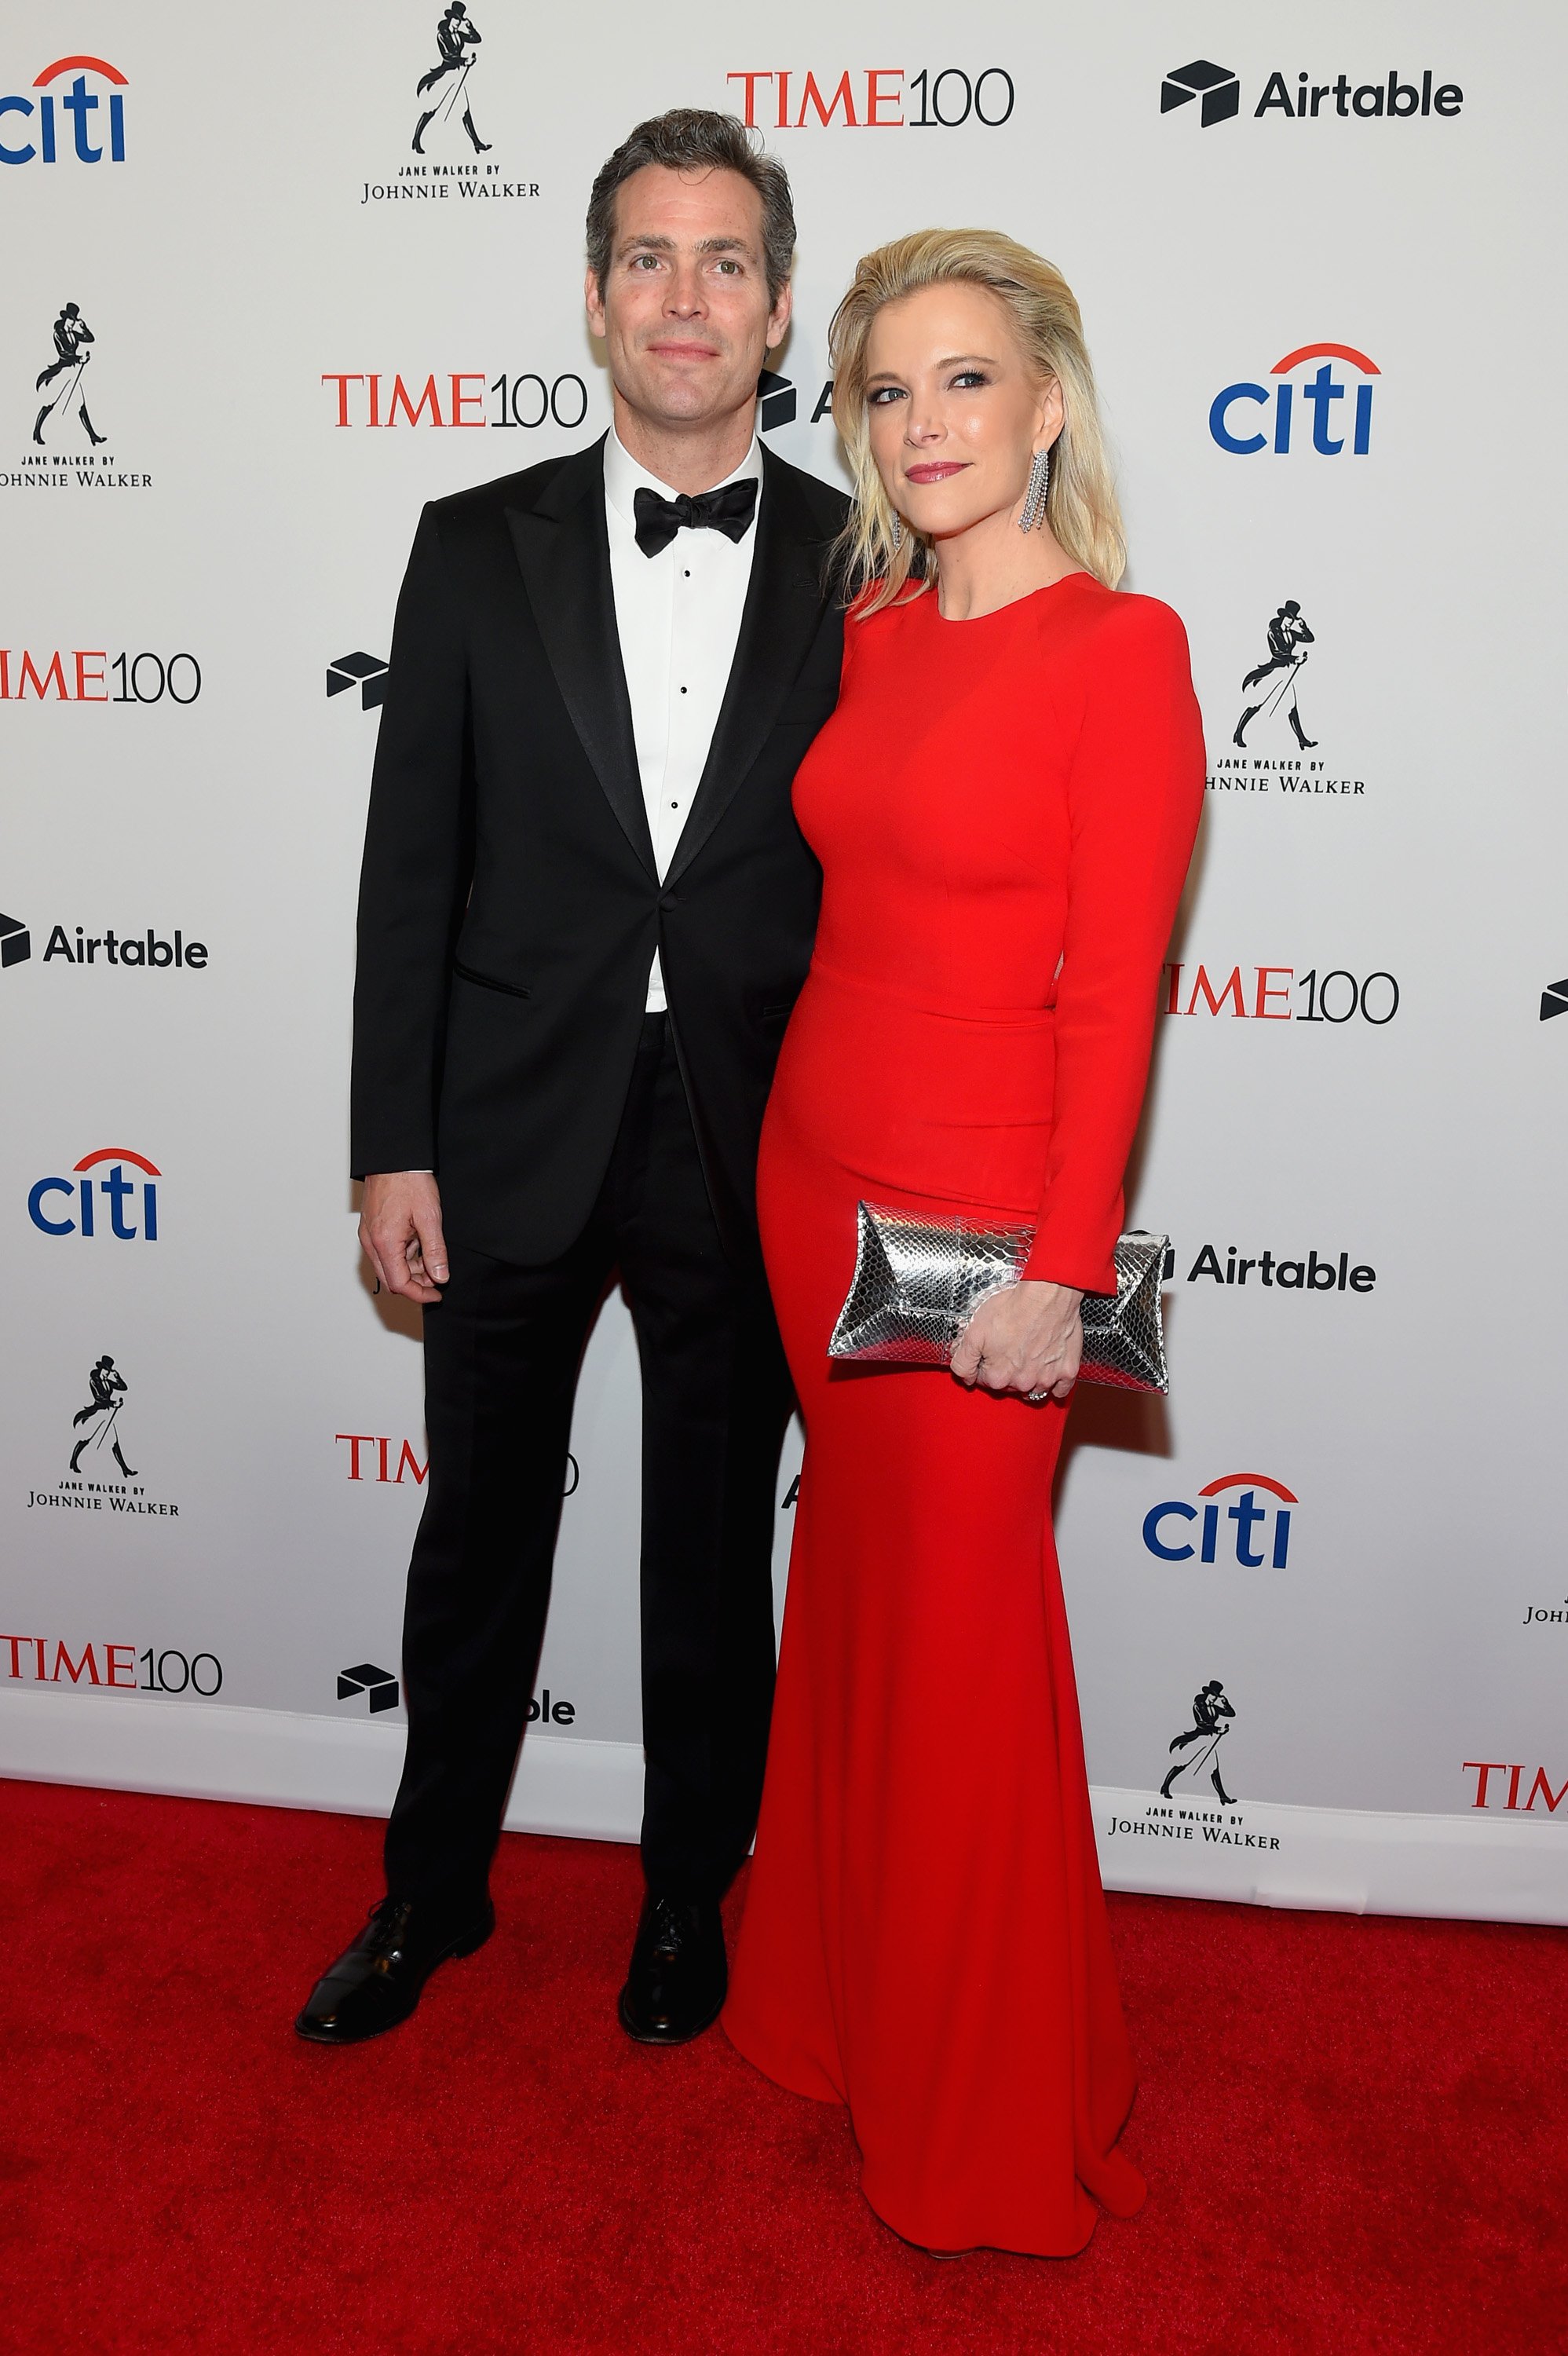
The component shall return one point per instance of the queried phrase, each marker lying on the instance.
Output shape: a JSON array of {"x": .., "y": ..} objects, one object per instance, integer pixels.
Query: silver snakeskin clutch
[{"x": 918, "y": 1281}]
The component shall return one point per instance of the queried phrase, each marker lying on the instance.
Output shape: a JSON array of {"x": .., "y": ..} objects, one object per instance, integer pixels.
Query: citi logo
[
  {"x": 1235, "y": 407},
  {"x": 1484, "y": 1770},
  {"x": 38, "y": 125},
  {"x": 1165, "y": 1526},
  {"x": 83, "y": 1190},
  {"x": 1391, "y": 100}
]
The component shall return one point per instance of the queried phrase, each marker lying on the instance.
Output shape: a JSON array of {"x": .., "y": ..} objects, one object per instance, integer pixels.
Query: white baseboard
[
  {"x": 205, "y": 1750},
  {"x": 1487, "y": 1867}
]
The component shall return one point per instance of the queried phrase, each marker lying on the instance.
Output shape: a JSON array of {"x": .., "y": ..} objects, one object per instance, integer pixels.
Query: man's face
[{"x": 684, "y": 308}]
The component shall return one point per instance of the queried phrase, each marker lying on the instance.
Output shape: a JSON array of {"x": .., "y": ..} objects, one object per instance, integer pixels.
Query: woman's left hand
[{"x": 1029, "y": 1338}]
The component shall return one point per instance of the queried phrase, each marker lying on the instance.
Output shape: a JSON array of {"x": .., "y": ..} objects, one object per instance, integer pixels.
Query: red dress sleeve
[{"x": 1134, "y": 792}]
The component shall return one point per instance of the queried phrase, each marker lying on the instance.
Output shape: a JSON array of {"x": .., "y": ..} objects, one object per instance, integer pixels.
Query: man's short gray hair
[{"x": 695, "y": 139}]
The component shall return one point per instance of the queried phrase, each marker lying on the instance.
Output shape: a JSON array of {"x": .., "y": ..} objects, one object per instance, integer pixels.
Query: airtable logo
[
  {"x": 120, "y": 1191},
  {"x": 143, "y": 950},
  {"x": 1319, "y": 392},
  {"x": 368, "y": 672},
  {"x": 1216, "y": 85},
  {"x": 1387, "y": 100},
  {"x": 39, "y": 127},
  {"x": 1247, "y": 1514},
  {"x": 380, "y": 1684},
  {"x": 778, "y": 402}
]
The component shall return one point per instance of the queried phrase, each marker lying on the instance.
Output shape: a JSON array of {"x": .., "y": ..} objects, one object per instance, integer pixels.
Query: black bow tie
[{"x": 729, "y": 509}]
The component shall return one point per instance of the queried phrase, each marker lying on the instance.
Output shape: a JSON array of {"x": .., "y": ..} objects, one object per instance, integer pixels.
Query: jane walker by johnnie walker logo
[
  {"x": 99, "y": 1478},
  {"x": 1183, "y": 1811},
  {"x": 1275, "y": 743},
  {"x": 66, "y": 449},
  {"x": 455, "y": 103}
]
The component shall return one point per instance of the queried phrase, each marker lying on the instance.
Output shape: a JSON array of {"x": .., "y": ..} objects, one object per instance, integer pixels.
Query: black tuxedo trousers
[{"x": 502, "y": 1351}]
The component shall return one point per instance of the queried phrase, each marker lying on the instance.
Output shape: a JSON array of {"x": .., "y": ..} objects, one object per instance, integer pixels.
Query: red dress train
[{"x": 1003, "y": 809}]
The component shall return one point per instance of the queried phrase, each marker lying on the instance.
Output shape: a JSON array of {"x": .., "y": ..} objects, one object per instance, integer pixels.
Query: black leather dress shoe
[
  {"x": 675, "y": 1987},
  {"x": 378, "y": 1981}
]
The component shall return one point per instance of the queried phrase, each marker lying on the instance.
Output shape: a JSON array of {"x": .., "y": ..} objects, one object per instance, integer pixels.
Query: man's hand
[
  {"x": 400, "y": 1232},
  {"x": 1029, "y": 1338}
]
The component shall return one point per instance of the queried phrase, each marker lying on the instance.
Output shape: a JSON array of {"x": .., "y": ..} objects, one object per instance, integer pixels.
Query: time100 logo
[{"x": 871, "y": 98}]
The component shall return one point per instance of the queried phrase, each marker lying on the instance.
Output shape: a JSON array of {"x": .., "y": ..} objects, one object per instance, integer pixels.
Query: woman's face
[{"x": 956, "y": 413}]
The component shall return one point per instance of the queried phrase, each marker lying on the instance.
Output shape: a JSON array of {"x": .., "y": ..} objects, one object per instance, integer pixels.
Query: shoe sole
[
  {"x": 665, "y": 2036},
  {"x": 313, "y": 2035}
]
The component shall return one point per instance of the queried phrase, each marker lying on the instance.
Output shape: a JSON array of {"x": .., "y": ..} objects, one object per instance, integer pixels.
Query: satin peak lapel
[
  {"x": 563, "y": 550},
  {"x": 783, "y": 608}
]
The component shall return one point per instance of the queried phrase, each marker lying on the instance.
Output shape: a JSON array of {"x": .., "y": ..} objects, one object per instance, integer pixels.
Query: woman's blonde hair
[{"x": 1081, "y": 505}]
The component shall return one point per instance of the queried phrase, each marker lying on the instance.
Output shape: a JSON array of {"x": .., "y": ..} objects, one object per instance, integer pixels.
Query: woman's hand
[{"x": 1029, "y": 1338}]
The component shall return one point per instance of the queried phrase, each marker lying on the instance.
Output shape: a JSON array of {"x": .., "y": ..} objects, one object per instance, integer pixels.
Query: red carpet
[{"x": 1355, "y": 2132}]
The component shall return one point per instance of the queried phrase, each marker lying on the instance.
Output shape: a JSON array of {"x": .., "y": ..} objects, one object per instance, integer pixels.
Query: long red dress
[{"x": 1003, "y": 809}]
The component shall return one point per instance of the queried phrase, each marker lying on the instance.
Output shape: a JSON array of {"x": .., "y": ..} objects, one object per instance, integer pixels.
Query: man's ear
[
  {"x": 780, "y": 315},
  {"x": 593, "y": 304}
]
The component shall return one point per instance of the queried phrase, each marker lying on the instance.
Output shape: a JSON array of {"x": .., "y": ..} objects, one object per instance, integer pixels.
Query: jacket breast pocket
[
  {"x": 488, "y": 980},
  {"x": 803, "y": 714}
]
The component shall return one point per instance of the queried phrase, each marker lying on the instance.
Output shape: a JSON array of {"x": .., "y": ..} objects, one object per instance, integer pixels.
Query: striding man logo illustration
[
  {"x": 457, "y": 40},
  {"x": 99, "y": 1418},
  {"x": 72, "y": 336},
  {"x": 1288, "y": 639},
  {"x": 1199, "y": 1747}
]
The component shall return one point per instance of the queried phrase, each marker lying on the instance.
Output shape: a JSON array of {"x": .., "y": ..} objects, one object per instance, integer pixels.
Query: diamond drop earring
[
  {"x": 897, "y": 531},
  {"x": 1033, "y": 507}
]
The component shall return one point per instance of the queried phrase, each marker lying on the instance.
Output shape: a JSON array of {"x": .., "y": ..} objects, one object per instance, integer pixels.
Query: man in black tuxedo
[{"x": 586, "y": 912}]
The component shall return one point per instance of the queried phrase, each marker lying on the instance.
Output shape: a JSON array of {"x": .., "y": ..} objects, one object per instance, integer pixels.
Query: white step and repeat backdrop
[{"x": 248, "y": 330}]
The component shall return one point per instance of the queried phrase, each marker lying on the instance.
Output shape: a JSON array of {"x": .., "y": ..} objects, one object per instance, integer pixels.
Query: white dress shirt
[{"x": 678, "y": 616}]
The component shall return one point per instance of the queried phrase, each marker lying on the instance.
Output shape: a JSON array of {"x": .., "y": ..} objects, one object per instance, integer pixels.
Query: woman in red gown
[{"x": 1004, "y": 805}]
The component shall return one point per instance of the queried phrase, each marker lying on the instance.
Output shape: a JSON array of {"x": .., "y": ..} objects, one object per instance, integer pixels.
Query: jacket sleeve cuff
[{"x": 1058, "y": 1260}]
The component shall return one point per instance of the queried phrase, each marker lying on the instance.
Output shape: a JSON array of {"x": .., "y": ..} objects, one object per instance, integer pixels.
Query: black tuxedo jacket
[{"x": 509, "y": 905}]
